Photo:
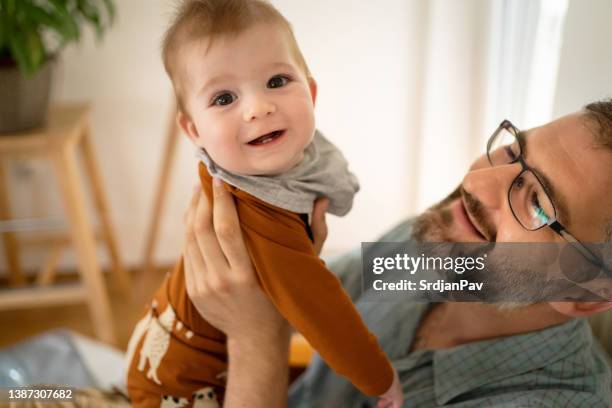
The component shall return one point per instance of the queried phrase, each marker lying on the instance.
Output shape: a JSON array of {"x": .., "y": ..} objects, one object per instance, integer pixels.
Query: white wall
[
  {"x": 366, "y": 59},
  {"x": 585, "y": 72},
  {"x": 452, "y": 105}
]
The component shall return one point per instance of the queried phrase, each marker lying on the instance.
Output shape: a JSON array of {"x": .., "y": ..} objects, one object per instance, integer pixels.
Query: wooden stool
[
  {"x": 66, "y": 132},
  {"x": 168, "y": 157}
]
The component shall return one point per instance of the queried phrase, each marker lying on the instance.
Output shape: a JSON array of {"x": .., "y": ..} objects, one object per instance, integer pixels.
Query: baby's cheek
[
  {"x": 218, "y": 149},
  {"x": 302, "y": 109},
  {"x": 231, "y": 158}
]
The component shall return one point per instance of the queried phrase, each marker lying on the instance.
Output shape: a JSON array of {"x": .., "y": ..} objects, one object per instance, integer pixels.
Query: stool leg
[
  {"x": 160, "y": 193},
  {"x": 64, "y": 161},
  {"x": 11, "y": 245},
  {"x": 120, "y": 273}
]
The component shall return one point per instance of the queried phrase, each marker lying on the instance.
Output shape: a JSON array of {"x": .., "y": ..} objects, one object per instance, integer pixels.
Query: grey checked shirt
[{"x": 561, "y": 366}]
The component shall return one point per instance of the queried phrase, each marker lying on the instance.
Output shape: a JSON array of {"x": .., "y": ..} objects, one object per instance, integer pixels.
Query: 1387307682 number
[{"x": 37, "y": 393}]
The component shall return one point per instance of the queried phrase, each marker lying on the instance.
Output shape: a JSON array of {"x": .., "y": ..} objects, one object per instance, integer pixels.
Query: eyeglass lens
[{"x": 528, "y": 199}]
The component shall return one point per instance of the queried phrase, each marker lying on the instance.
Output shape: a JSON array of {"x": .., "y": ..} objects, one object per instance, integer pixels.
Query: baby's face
[{"x": 250, "y": 104}]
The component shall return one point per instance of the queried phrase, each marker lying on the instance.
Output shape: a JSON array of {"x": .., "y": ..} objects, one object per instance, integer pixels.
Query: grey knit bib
[{"x": 323, "y": 172}]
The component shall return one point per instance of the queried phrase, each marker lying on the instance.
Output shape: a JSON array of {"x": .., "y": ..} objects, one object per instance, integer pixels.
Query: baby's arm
[{"x": 311, "y": 298}]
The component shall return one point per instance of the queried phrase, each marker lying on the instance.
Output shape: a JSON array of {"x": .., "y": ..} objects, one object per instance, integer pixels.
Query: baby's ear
[
  {"x": 312, "y": 84},
  {"x": 187, "y": 126}
]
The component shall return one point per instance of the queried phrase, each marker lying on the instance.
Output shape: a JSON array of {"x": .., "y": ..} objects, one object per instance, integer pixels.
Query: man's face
[
  {"x": 562, "y": 152},
  {"x": 251, "y": 106}
]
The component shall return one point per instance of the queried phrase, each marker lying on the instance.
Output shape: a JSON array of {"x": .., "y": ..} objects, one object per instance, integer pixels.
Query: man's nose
[
  {"x": 490, "y": 185},
  {"x": 257, "y": 108}
]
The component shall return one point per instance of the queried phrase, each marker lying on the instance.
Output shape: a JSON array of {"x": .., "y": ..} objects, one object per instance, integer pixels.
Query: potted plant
[{"x": 32, "y": 33}]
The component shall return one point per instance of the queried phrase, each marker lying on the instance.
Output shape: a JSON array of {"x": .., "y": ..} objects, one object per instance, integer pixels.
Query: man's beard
[
  {"x": 434, "y": 224},
  {"x": 503, "y": 276}
]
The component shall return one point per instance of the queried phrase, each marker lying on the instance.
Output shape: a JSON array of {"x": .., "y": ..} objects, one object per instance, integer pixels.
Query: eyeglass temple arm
[{"x": 580, "y": 247}]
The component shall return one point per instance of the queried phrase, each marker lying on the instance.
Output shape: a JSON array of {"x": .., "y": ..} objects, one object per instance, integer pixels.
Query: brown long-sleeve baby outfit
[{"x": 175, "y": 353}]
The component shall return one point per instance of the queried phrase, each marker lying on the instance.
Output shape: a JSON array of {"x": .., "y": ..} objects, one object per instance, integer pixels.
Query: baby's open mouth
[{"x": 267, "y": 138}]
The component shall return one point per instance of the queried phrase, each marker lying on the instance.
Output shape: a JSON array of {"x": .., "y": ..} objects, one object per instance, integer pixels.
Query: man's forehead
[{"x": 580, "y": 172}]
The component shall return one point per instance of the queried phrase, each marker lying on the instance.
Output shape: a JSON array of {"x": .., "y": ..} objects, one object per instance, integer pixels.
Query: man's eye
[
  {"x": 278, "y": 81},
  {"x": 224, "y": 99},
  {"x": 538, "y": 212},
  {"x": 519, "y": 182},
  {"x": 512, "y": 155}
]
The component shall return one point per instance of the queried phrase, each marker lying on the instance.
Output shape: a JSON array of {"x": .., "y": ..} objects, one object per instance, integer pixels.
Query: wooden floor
[{"x": 17, "y": 325}]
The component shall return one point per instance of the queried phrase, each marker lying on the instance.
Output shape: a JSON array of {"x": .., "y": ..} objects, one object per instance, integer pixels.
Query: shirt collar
[{"x": 463, "y": 368}]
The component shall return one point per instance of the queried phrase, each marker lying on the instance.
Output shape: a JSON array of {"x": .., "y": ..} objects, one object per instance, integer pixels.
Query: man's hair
[
  {"x": 198, "y": 20},
  {"x": 599, "y": 114}
]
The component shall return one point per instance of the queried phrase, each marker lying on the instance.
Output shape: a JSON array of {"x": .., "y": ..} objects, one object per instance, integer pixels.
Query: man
[{"x": 549, "y": 184}]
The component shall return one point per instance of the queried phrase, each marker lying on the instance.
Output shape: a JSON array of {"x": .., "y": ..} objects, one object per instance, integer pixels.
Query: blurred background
[{"x": 408, "y": 89}]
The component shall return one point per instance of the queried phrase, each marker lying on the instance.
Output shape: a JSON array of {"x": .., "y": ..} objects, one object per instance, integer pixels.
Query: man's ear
[
  {"x": 187, "y": 126},
  {"x": 312, "y": 84},
  {"x": 580, "y": 309}
]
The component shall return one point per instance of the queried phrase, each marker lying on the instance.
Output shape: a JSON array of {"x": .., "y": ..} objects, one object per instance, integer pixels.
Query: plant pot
[{"x": 24, "y": 102}]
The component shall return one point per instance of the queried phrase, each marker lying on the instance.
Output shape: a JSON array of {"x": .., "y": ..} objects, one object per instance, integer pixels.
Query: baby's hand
[
  {"x": 393, "y": 397},
  {"x": 318, "y": 224}
]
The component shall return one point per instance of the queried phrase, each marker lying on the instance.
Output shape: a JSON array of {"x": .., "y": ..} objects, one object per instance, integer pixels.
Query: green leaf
[
  {"x": 36, "y": 48},
  {"x": 43, "y": 18},
  {"x": 110, "y": 10},
  {"x": 91, "y": 14},
  {"x": 26, "y": 24},
  {"x": 21, "y": 55},
  {"x": 67, "y": 19},
  {"x": 4, "y": 30},
  {"x": 56, "y": 20},
  {"x": 63, "y": 3},
  {"x": 10, "y": 7}
]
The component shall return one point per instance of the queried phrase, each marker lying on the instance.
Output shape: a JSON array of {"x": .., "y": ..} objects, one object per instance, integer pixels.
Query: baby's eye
[
  {"x": 278, "y": 81},
  {"x": 224, "y": 99}
]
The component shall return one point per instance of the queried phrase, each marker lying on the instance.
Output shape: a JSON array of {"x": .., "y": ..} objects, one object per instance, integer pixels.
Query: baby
[{"x": 246, "y": 99}]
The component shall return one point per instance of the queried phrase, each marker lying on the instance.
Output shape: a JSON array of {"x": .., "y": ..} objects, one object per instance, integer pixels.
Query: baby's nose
[{"x": 259, "y": 108}]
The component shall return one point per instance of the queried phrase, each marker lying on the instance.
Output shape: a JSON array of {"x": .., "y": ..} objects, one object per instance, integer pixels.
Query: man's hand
[
  {"x": 219, "y": 275},
  {"x": 222, "y": 285}
]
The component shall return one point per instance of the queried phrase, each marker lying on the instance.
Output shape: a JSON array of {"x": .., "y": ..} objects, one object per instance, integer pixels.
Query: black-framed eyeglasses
[{"x": 529, "y": 200}]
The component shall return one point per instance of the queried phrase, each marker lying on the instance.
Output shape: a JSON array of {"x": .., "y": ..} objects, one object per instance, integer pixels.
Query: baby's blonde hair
[{"x": 198, "y": 20}]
